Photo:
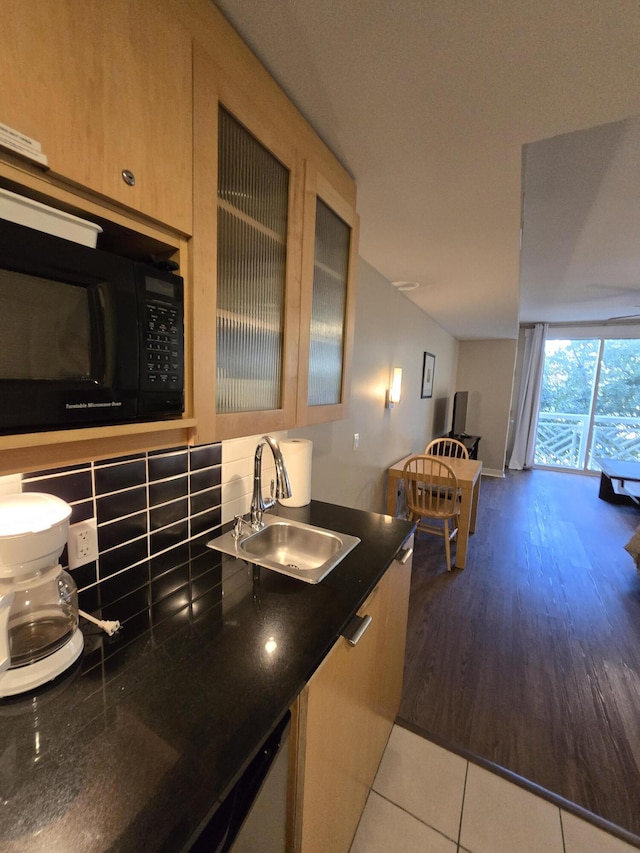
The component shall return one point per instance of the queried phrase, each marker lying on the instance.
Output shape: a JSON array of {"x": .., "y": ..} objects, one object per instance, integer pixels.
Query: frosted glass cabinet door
[
  {"x": 252, "y": 241},
  {"x": 328, "y": 304},
  {"x": 248, "y": 207},
  {"x": 329, "y": 256}
]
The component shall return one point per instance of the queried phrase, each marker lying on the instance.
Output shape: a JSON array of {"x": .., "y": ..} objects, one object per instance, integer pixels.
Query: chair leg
[{"x": 447, "y": 544}]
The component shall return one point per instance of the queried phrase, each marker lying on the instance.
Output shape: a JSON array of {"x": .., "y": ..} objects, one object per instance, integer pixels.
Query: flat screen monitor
[{"x": 459, "y": 420}]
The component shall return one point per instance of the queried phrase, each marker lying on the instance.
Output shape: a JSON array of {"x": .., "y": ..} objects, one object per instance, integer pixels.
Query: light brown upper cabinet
[
  {"x": 275, "y": 253},
  {"x": 106, "y": 88},
  {"x": 247, "y": 242},
  {"x": 329, "y": 259}
]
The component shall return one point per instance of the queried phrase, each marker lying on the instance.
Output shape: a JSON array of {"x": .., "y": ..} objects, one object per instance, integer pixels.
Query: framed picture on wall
[{"x": 428, "y": 369}]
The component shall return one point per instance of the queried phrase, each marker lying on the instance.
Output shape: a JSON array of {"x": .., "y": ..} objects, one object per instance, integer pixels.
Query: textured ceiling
[{"x": 428, "y": 104}]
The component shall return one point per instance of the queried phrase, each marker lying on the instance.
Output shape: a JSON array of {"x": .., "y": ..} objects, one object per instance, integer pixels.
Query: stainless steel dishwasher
[{"x": 253, "y": 816}]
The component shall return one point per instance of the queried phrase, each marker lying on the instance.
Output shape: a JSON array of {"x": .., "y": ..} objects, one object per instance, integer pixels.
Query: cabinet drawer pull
[
  {"x": 403, "y": 555},
  {"x": 356, "y": 628}
]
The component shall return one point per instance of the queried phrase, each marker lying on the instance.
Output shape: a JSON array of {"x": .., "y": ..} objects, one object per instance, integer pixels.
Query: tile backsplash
[{"x": 155, "y": 511}]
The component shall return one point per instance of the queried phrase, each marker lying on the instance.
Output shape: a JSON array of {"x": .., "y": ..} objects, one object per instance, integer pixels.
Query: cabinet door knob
[
  {"x": 128, "y": 177},
  {"x": 356, "y": 628}
]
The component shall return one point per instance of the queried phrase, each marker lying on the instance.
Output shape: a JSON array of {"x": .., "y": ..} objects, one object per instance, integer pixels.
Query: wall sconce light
[{"x": 393, "y": 394}]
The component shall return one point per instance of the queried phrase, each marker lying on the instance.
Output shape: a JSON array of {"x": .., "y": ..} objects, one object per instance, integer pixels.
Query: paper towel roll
[{"x": 297, "y": 453}]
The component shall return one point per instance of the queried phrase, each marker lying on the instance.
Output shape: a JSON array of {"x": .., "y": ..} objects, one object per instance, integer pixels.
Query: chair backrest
[
  {"x": 446, "y": 447},
  {"x": 430, "y": 486}
]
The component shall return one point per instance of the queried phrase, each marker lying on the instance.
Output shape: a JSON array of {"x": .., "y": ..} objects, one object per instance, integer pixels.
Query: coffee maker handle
[{"x": 6, "y": 601}]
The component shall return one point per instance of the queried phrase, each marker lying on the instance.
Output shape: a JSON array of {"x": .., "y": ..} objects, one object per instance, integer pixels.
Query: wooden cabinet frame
[
  {"x": 213, "y": 88},
  {"x": 136, "y": 238}
]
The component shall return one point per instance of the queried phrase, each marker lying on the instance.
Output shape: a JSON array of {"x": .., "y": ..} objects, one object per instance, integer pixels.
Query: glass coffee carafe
[
  {"x": 39, "y": 634},
  {"x": 42, "y": 616}
]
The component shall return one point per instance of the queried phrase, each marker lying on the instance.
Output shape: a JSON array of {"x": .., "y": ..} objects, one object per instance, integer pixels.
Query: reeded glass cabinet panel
[
  {"x": 253, "y": 200},
  {"x": 330, "y": 276}
]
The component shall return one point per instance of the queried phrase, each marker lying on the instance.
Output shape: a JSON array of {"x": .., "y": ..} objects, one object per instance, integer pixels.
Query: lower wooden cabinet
[{"x": 343, "y": 718}]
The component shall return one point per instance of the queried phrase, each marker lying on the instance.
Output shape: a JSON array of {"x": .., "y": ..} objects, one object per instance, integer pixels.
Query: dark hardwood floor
[{"x": 530, "y": 657}]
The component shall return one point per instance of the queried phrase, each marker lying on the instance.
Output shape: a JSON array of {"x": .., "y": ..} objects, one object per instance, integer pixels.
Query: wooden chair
[
  {"x": 446, "y": 447},
  {"x": 433, "y": 498}
]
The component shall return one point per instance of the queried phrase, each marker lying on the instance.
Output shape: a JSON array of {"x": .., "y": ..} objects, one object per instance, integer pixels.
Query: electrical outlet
[
  {"x": 356, "y": 440},
  {"x": 82, "y": 545}
]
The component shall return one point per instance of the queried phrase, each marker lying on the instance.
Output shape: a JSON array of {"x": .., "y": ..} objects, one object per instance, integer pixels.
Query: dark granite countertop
[{"x": 133, "y": 752}]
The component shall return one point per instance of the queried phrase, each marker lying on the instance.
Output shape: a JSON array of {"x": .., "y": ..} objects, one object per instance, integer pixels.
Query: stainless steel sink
[{"x": 290, "y": 547}]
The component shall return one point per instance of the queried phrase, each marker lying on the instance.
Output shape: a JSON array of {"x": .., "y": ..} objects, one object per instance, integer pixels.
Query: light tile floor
[{"x": 428, "y": 800}]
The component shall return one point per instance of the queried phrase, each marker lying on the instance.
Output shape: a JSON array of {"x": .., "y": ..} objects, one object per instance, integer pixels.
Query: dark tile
[
  {"x": 169, "y": 582},
  {"x": 198, "y": 547},
  {"x": 205, "y": 455},
  {"x": 204, "y": 500},
  {"x": 165, "y": 450},
  {"x": 84, "y": 575},
  {"x": 122, "y": 503},
  {"x": 205, "y": 521},
  {"x": 128, "y": 606},
  {"x": 123, "y": 557},
  {"x": 161, "y": 516},
  {"x": 89, "y": 599},
  {"x": 124, "y": 583},
  {"x": 171, "y": 604},
  {"x": 169, "y": 560},
  {"x": 125, "y": 475},
  {"x": 115, "y": 459},
  {"x": 168, "y": 537},
  {"x": 168, "y": 490},
  {"x": 48, "y": 472},
  {"x": 167, "y": 466},
  {"x": 205, "y": 479},
  {"x": 69, "y": 487},
  {"x": 82, "y": 511},
  {"x": 118, "y": 532}
]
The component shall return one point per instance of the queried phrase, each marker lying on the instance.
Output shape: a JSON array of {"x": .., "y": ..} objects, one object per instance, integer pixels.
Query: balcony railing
[{"x": 561, "y": 440}]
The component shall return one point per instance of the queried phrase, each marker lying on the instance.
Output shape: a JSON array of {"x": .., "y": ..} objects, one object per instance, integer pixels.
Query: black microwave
[{"x": 87, "y": 338}]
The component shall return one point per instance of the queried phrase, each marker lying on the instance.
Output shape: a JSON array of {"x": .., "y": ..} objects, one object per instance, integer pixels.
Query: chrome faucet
[{"x": 282, "y": 489}]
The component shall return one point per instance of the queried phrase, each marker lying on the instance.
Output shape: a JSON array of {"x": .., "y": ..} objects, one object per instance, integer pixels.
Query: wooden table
[{"x": 468, "y": 472}]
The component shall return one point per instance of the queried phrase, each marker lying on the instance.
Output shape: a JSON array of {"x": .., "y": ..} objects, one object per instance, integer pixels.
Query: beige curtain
[{"x": 529, "y": 399}]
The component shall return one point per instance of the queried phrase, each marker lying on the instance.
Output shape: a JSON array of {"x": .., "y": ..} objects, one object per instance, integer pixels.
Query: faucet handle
[{"x": 271, "y": 500}]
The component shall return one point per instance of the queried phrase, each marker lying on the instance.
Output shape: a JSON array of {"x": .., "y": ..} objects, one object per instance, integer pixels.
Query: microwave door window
[
  {"x": 103, "y": 345},
  {"x": 45, "y": 330}
]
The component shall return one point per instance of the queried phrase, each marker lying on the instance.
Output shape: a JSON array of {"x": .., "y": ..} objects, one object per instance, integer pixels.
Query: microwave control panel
[
  {"x": 162, "y": 355},
  {"x": 163, "y": 345}
]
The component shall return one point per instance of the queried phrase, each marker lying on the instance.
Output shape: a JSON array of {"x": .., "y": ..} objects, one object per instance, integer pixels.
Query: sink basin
[{"x": 290, "y": 547}]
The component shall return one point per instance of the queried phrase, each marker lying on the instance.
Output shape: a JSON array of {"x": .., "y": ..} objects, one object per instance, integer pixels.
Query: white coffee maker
[{"x": 39, "y": 633}]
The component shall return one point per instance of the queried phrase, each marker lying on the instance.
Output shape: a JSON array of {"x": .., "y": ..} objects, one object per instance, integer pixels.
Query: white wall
[
  {"x": 390, "y": 331},
  {"x": 485, "y": 369}
]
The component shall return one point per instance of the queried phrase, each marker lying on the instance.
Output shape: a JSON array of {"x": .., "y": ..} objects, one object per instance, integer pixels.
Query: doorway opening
[{"x": 589, "y": 403}]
